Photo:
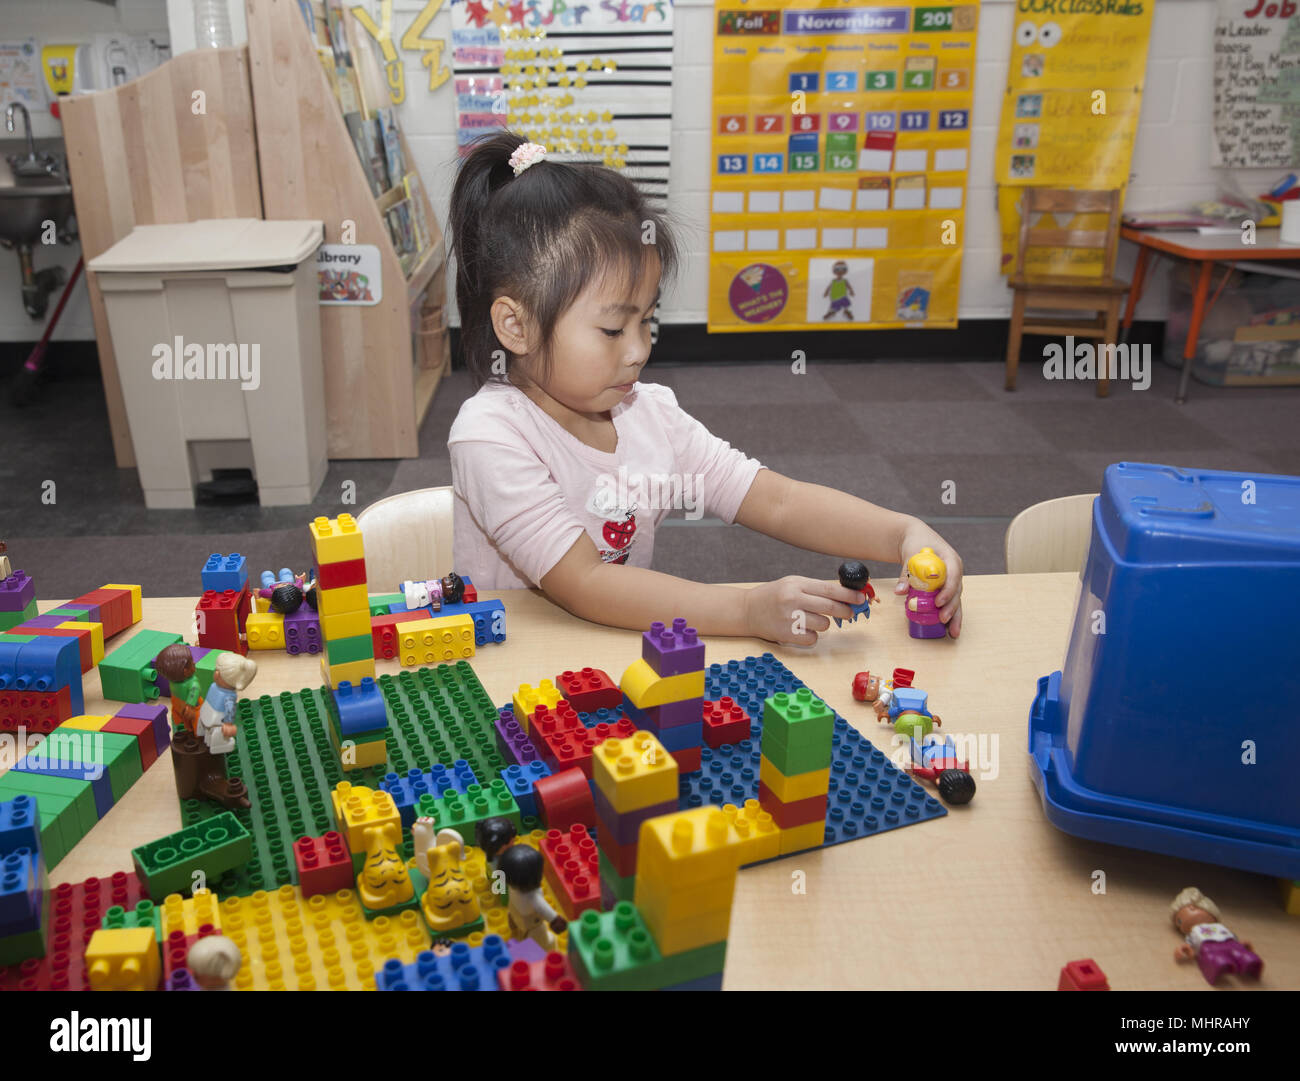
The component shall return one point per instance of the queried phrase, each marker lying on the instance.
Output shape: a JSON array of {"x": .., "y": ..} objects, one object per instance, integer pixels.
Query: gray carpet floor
[{"x": 901, "y": 434}]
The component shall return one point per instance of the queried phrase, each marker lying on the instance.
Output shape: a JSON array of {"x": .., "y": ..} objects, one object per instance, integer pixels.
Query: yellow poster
[
  {"x": 841, "y": 140},
  {"x": 1070, "y": 112}
]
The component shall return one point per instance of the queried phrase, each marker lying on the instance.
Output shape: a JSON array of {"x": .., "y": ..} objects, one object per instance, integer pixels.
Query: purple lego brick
[
  {"x": 181, "y": 979},
  {"x": 199, "y": 652},
  {"x": 17, "y": 592},
  {"x": 527, "y": 950},
  {"x": 302, "y": 632},
  {"x": 516, "y": 747},
  {"x": 670, "y": 651},
  {"x": 624, "y": 828},
  {"x": 46, "y": 620},
  {"x": 156, "y": 714},
  {"x": 677, "y": 714}
]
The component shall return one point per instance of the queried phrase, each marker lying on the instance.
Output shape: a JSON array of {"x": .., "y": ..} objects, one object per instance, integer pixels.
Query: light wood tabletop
[{"x": 989, "y": 897}]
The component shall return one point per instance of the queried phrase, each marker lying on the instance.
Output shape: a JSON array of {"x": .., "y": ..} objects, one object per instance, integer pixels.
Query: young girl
[{"x": 564, "y": 464}]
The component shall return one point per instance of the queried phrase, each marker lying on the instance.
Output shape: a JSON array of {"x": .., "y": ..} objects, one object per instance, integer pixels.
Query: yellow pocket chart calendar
[{"x": 841, "y": 139}]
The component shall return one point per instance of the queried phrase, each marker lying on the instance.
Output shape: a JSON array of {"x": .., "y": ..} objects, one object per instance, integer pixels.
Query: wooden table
[
  {"x": 1206, "y": 250},
  {"x": 991, "y": 896}
]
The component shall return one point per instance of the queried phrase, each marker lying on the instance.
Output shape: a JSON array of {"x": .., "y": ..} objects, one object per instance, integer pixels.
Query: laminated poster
[
  {"x": 1256, "y": 84},
  {"x": 841, "y": 139}
]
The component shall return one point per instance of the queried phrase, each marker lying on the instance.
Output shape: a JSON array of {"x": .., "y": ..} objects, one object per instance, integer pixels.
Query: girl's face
[{"x": 601, "y": 344}]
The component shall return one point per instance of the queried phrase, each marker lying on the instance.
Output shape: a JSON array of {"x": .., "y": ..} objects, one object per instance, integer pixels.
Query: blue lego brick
[
  {"x": 20, "y": 892},
  {"x": 465, "y": 968},
  {"x": 520, "y": 781},
  {"x": 868, "y": 793},
  {"x": 101, "y": 785},
  {"x": 19, "y": 825},
  {"x": 224, "y": 572},
  {"x": 361, "y": 707},
  {"x": 406, "y": 789},
  {"x": 603, "y": 716},
  {"x": 681, "y": 737},
  {"x": 49, "y": 664}
]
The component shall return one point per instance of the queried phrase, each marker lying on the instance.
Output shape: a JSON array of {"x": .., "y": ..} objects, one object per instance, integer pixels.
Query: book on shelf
[
  {"x": 415, "y": 195},
  {"x": 394, "y": 158},
  {"x": 365, "y": 138}
]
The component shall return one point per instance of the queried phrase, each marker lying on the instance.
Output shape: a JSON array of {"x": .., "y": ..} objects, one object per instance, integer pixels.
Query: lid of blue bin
[{"x": 1160, "y": 514}]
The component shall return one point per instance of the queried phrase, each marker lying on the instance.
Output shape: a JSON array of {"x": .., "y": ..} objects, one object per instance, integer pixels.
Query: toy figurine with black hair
[
  {"x": 530, "y": 914},
  {"x": 494, "y": 836},
  {"x": 287, "y": 594},
  {"x": 855, "y": 576}
]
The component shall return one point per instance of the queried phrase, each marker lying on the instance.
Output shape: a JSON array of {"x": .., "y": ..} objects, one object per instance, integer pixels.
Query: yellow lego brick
[
  {"x": 265, "y": 630},
  {"x": 796, "y": 786},
  {"x": 797, "y": 839},
  {"x": 690, "y": 934},
  {"x": 435, "y": 641},
  {"x": 1290, "y": 897},
  {"x": 359, "y": 754},
  {"x": 321, "y": 943},
  {"x": 664, "y": 903},
  {"x": 86, "y": 723},
  {"x": 358, "y": 808},
  {"x": 96, "y": 637},
  {"x": 528, "y": 698},
  {"x": 261, "y": 604},
  {"x": 634, "y": 773},
  {"x": 188, "y": 914},
  {"x": 646, "y": 688},
  {"x": 137, "y": 607},
  {"x": 123, "y": 959},
  {"x": 341, "y": 601},
  {"x": 692, "y": 847},
  {"x": 336, "y": 540},
  {"x": 355, "y": 671},
  {"x": 345, "y": 624}
]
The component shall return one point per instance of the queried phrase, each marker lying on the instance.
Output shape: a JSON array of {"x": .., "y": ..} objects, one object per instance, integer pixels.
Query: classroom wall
[{"x": 1171, "y": 159}]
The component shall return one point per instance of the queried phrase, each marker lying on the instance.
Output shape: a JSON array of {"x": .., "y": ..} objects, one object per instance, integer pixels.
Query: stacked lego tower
[
  {"x": 635, "y": 780},
  {"x": 663, "y": 692},
  {"x": 223, "y": 610},
  {"x": 794, "y": 772}
]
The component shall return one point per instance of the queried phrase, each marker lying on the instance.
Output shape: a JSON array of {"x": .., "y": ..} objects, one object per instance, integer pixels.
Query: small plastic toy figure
[
  {"x": 199, "y": 755},
  {"x": 176, "y": 665},
  {"x": 494, "y": 836},
  {"x": 926, "y": 575},
  {"x": 448, "y": 904},
  {"x": 286, "y": 595},
  {"x": 1215, "y": 948},
  {"x": 531, "y": 916},
  {"x": 934, "y": 758},
  {"x": 214, "y": 961},
  {"x": 453, "y": 588},
  {"x": 5, "y": 569},
  {"x": 855, "y": 576},
  {"x": 216, "y": 723}
]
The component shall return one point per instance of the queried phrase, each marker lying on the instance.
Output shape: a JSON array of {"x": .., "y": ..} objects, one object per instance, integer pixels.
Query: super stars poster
[{"x": 589, "y": 81}]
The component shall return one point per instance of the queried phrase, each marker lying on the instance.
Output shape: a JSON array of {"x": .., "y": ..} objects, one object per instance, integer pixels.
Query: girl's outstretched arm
[{"x": 835, "y": 523}]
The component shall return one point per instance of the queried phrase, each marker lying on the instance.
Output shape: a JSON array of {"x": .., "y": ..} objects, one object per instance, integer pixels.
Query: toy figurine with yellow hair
[{"x": 926, "y": 575}]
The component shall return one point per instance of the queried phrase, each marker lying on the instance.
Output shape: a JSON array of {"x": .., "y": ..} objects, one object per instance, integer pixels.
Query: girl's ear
[{"x": 508, "y": 321}]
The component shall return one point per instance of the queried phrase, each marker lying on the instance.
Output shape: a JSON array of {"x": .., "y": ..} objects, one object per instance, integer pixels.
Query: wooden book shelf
[{"x": 382, "y": 362}]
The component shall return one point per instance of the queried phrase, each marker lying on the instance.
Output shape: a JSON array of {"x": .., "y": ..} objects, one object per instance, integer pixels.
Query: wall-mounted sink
[{"x": 27, "y": 202}]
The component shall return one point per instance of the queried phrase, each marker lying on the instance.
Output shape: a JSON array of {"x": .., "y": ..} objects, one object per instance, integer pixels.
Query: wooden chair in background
[
  {"x": 408, "y": 537},
  {"x": 1102, "y": 295},
  {"x": 1050, "y": 536}
]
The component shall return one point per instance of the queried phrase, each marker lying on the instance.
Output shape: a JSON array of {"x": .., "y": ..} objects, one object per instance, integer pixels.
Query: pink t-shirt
[{"x": 526, "y": 488}]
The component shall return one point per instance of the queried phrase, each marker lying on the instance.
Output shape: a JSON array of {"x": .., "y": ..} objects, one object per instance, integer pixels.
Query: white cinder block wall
[{"x": 1171, "y": 157}]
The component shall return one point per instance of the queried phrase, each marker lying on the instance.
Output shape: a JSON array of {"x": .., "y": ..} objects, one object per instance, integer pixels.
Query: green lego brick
[
  {"x": 57, "y": 812},
  {"x": 623, "y": 888},
  {"x": 72, "y": 800},
  {"x": 20, "y": 947},
  {"x": 798, "y": 720},
  {"x": 18, "y": 637},
  {"x": 283, "y": 754},
  {"x": 122, "y": 672},
  {"x": 121, "y": 758},
  {"x": 205, "y": 668},
  {"x": 145, "y": 914},
  {"x": 379, "y": 602},
  {"x": 359, "y": 647},
  {"x": 798, "y": 760},
  {"x": 12, "y": 619},
  {"x": 80, "y": 615},
  {"x": 215, "y": 846},
  {"x": 462, "y": 811},
  {"x": 614, "y": 951}
]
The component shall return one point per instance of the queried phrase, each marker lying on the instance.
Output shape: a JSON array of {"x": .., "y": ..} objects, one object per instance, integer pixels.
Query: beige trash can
[{"x": 216, "y": 331}]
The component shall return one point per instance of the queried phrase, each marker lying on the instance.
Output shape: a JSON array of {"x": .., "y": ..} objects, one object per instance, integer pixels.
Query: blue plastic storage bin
[{"x": 1177, "y": 730}]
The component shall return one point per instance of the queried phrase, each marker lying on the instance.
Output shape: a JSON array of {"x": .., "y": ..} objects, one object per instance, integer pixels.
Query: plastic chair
[
  {"x": 1050, "y": 536},
  {"x": 408, "y": 537}
]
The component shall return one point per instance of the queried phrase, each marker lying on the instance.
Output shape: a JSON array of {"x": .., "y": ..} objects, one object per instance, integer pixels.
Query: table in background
[
  {"x": 1207, "y": 250},
  {"x": 991, "y": 896}
]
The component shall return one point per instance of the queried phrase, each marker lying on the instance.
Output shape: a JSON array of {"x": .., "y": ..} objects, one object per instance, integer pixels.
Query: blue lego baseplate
[{"x": 868, "y": 793}]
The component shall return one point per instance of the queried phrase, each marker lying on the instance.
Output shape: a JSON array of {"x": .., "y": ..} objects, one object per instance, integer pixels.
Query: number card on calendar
[{"x": 841, "y": 136}]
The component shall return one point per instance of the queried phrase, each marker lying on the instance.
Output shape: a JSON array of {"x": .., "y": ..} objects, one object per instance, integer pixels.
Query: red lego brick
[
  {"x": 589, "y": 689},
  {"x": 795, "y": 813},
  {"x": 1083, "y": 976},
  {"x": 144, "y": 734},
  {"x": 552, "y": 973},
  {"x": 903, "y": 677},
  {"x": 109, "y": 611},
  {"x": 76, "y": 913},
  {"x": 471, "y": 595},
  {"x": 564, "y": 800},
  {"x": 724, "y": 722},
  {"x": 383, "y": 630},
  {"x": 36, "y": 711},
  {"x": 350, "y": 572},
  {"x": 573, "y": 870},
  {"x": 219, "y": 619},
  {"x": 621, "y": 857},
  {"x": 324, "y": 864},
  {"x": 688, "y": 759}
]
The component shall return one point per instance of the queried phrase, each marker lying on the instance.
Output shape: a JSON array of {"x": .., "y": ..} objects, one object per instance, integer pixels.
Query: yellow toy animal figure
[
  {"x": 449, "y": 904},
  {"x": 384, "y": 881}
]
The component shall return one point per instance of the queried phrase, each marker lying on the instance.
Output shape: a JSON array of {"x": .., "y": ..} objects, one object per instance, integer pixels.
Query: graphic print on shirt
[{"x": 618, "y": 530}]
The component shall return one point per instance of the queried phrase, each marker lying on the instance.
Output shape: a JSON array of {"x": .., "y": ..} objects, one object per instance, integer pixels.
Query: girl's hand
[
  {"x": 948, "y": 601},
  {"x": 792, "y": 610}
]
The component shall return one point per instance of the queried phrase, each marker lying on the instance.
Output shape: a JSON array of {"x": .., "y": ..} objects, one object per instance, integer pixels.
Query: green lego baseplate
[{"x": 284, "y": 757}]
